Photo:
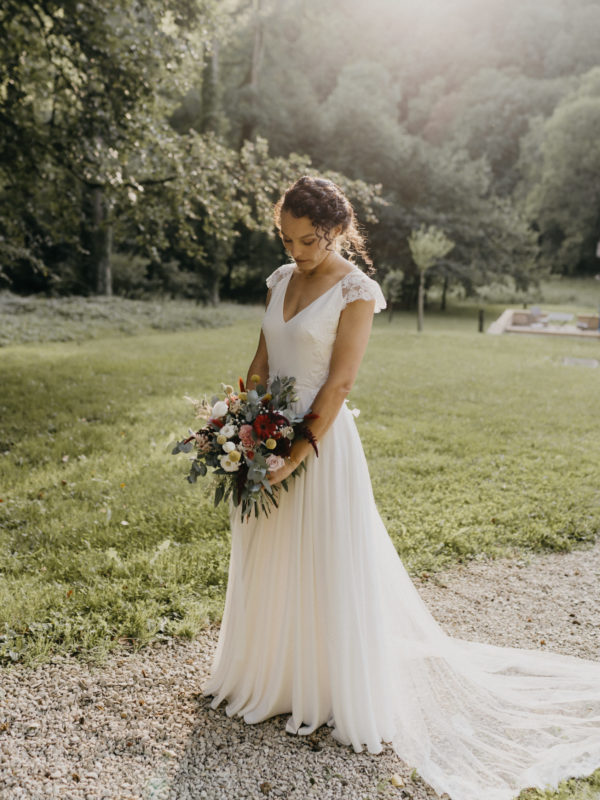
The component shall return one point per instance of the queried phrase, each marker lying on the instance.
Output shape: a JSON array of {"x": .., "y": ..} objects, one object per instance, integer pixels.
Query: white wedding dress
[{"x": 322, "y": 621}]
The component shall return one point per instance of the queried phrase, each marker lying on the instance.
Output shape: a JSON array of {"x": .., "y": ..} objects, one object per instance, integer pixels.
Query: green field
[{"x": 477, "y": 445}]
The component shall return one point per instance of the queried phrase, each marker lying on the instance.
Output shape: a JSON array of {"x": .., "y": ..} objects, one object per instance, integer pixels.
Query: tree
[
  {"x": 560, "y": 190},
  {"x": 489, "y": 114},
  {"x": 124, "y": 128},
  {"x": 427, "y": 246},
  {"x": 85, "y": 98},
  {"x": 392, "y": 289}
]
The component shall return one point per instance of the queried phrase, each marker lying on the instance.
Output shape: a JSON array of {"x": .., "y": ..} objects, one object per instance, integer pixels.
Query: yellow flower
[
  {"x": 267, "y": 397},
  {"x": 228, "y": 389},
  {"x": 235, "y": 455},
  {"x": 243, "y": 395},
  {"x": 221, "y": 439},
  {"x": 270, "y": 444},
  {"x": 255, "y": 378}
]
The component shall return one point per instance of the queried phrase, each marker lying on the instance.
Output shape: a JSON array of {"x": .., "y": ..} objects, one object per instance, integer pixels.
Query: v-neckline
[{"x": 312, "y": 302}]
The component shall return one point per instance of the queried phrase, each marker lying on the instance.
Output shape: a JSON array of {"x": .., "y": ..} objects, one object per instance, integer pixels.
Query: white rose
[
  {"x": 228, "y": 447},
  {"x": 228, "y": 430},
  {"x": 219, "y": 409},
  {"x": 229, "y": 465}
]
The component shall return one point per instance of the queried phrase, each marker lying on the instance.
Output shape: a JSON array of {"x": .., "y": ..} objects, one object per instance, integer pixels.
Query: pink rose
[
  {"x": 275, "y": 462},
  {"x": 246, "y": 437}
]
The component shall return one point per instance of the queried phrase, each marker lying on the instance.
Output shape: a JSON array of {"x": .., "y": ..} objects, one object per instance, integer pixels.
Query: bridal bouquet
[{"x": 246, "y": 435}]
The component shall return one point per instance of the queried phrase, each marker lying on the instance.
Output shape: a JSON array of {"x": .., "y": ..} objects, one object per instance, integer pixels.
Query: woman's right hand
[{"x": 283, "y": 472}]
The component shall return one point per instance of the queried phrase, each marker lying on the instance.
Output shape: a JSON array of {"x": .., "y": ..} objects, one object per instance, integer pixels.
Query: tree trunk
[
  {"x": 215, "y": 297},
  {"x": 212, "y": 106},
  {"x": 100, "y": 242},
  {"x": 249, "y": 123},
  {"x": 220, "y": 258},
  {"x": 420, "y": 301},
  {"x": 444, "y": 293},
  {"x": 258, "y": 47}
]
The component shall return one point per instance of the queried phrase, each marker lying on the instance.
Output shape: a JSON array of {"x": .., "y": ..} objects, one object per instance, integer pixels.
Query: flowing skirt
[{"x": 322, "y": 621}]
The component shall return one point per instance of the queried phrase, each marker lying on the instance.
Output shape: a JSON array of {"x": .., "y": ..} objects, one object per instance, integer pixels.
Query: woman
[{"x": 321, "y": 619}]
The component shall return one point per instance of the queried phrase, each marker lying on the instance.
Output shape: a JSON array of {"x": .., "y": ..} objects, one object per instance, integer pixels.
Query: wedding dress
[{"x": 322, "y": 621}]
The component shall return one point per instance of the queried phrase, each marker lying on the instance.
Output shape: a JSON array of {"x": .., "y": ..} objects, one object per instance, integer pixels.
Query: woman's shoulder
[
  {"x": 357, "y": 285},
  {"x": 279, "y": 274}
]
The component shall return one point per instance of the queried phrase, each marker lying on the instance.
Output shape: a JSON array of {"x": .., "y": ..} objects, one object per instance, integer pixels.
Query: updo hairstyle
[{"x": 324, "y": 203}]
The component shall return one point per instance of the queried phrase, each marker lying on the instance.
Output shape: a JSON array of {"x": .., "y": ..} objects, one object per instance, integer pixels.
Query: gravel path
[{"x": 137, "y": 727}]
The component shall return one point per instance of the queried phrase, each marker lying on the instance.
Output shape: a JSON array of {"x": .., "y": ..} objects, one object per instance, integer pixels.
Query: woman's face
[{"x": 300, "y": 239}]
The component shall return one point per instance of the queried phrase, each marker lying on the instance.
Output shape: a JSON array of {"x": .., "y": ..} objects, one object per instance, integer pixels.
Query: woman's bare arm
[
  {"x": 260, "y": 363},
  {"x": 348, "y": 350}
]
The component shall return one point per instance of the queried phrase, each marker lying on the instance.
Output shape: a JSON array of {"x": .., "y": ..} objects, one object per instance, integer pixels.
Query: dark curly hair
[{"x": 325, "y": 204}]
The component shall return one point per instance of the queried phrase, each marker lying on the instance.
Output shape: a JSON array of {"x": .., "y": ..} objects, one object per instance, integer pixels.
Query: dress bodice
[{"x": 302, "y": 346}]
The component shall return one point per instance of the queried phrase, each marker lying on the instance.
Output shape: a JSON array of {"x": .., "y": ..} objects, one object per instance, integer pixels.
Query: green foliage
[
  {"x": 561, "y": 161},
  {"x": 392, "y": 285},
  {"x": 428, "y": 245},
  {"x": 571, "y": 789},
  {"x": 165, "y": 131},
  {"x": 491, "y": 112},
  {"x": 475, "y": 448},
  {"x": 86, "y": 92}
]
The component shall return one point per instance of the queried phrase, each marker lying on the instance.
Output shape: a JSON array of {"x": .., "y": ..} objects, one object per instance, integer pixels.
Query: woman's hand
[{"x": 282, "y": 473}]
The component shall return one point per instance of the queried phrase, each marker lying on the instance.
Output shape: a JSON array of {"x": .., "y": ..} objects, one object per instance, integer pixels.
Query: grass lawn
[
  {"x": 477, "y": 446},
  {"x": 74, "y": 319}
]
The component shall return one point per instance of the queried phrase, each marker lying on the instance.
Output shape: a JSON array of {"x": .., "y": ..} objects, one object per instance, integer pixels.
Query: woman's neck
[{"x": 326, "y": 267}]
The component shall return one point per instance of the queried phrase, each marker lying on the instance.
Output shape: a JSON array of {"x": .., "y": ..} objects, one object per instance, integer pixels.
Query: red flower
[{"x": 264, "y": 426}]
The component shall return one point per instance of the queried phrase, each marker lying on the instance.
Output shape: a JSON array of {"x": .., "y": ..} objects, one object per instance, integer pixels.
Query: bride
[{"x": 321, "y": 619}]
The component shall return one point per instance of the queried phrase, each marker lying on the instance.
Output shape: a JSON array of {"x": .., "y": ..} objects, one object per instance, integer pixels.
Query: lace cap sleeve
[
  {"x": 278, "y": 274},
  {"x": 358, "y": 286}
]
